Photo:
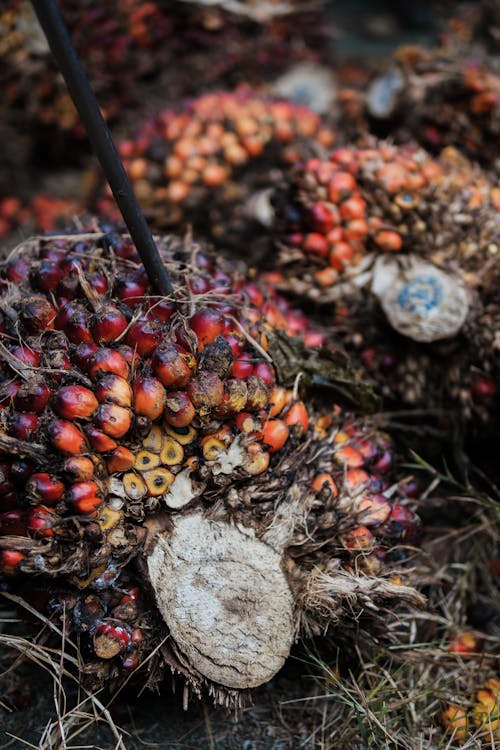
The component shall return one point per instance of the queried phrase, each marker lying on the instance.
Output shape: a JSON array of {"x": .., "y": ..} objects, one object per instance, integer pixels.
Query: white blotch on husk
[
  {"x": 225, "y": 599},
  {"x": 307, "y": 84},
  {"x": 181, "y": 491},
  {"x": 419, "y": 300}
]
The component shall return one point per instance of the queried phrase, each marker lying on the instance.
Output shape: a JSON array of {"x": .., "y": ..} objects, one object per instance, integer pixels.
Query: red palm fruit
[
  {"x": 107, "y": 324},
  {"x": 340, "y": 186},
  {"x": 88, "y": 506},
  {"x": 265, "y": 371},
  {"x": 162, "y": 310},
  {"x": 323, "y": 217},
  {"x": 257, "y": 393},
  {"x": 131, "y": 660},
  {"x": 466, "y": 643},
  {"x": 18, "y": 270},
  {"x": 324, "y": 481},
  {"x": 315, "y": 244},
  {"x": 359, "y": 538},
  {"x": 99, "y": 441},
  {"x": 207, "y": 324},
  {"x": 144, "y": 336},
  {"x": 149, "y": 396},
  {"x": 98, "y": 282},
  {"x": 37, "y": 313},
  {"x": 236, "y": 343},
  {"x": 172, "y": 364},
  {"x": 32, "y": 396},
  {"x": 77, "y": 327},
  {"x": 356, "y": 478},
  {"x": 13, "y": 522},
  {"x": 349, "y": 456},
  {"x": 199, "y": 285},
  {"x": 9, "y": 560},
  {"x": 23, "y": 425},
  {"x": 402, "y": 525},
  {"x": 82, "y": 356},
  {"x": 108, "y": 360},
  {"x": 205, "y": 390},
  {"x": 9, "y": 500},
  {"x": 130, "y": 289},
  {"x": 374, "y": 509},
  {"x": 113, "y": 389},
  {"x": 120, "y": 459},
  {"x": 79, "y": 468},
  {"x": 40, "y": 521},
  {"x": 314, "y": 339},
  {"x": 483, "y": 389},
  {"x": 247, "y": 422},
  {"x": 253, "y": 293},
  {"x": 388, "y": 241},
  {"x": 130, "y": 355},
  {"x": 221, "y": 283},
  {"x": 81, "y": 494},
  {"x": 384, "y": 463},
  {"x": 64, "y": 314},
  {"x": 47, "y": 276},
  {"x": 10, "y": 390},
  {"x": 66, "y": 437},
  {"x": 26, "y": 355},
  {"x": 242, "y": 367},
  {"x": 75, "y": 402},
  {"x": 179, "y": 410},
  {"x": 111, "y": 638},
  {"x": 297, "y": 417},
  {"x": 41, "y": 487},
  {"x": 112, "y": 419},
  {"x": 132, "y": 595},
  {"x": 275, "y": 434}
]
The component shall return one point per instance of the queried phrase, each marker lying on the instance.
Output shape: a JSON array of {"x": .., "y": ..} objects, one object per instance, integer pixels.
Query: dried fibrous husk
[{"x": 225, "y": 599}]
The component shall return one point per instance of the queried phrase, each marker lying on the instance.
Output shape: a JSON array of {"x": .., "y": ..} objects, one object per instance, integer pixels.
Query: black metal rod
[{"x": 83, "y": 97}]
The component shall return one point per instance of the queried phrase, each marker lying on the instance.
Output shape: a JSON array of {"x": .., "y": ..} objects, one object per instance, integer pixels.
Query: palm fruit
[
  {"x": 486, "y": 710},
  {"x": 212, "y": 163},
  {"x": 175, "y": 490},
  {"x": 392, "y": 230}
]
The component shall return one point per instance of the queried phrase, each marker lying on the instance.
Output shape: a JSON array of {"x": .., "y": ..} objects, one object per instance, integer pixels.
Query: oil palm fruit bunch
[
  {"x": 115, "y": 40},
  {"x": 125, "y": 46},
  {"x": 212, "y": 163},
  {"x": 166, "y": 477},
  {"x": 407, "y": 247},
  {"x": 447, "y": 95}
]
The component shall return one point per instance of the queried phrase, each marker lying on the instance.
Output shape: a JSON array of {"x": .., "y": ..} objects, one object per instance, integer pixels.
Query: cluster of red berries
[
  {"x": 115, "y": 40},
  {"x": 447, "y": 95},
  {"x": 43, "y": 213},
  {"x": 202, "y": 164},
  {"x": 351, "y": 482},
  {"x": 91, "y": 365},
  {"x": 450, "y": 96},
  {"x": 122, "y": 43},
  {"x": 384, "y": 199}
]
